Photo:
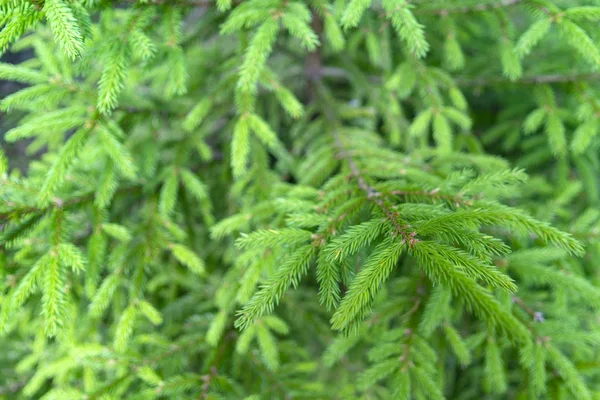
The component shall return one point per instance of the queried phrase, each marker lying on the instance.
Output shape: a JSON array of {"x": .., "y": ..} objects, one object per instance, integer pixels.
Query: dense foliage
[{"x": 285, "y": 199}]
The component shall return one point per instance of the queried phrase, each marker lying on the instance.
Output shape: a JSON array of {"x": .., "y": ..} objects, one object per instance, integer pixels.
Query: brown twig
[{"x": 536, "y": 315}]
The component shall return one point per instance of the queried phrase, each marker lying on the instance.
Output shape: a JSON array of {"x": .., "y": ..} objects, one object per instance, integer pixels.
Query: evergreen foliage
[{"x": 282, "y": 199}]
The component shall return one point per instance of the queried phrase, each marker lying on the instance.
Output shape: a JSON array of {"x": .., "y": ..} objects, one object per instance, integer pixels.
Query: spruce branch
[
  {"x": 373, "y": 195},
  {"x": 194, "y": 3},
  {"x": 364, "y": 168},
  {"x": 529, "y": 80},
  {"x": 481, "y": 7}
]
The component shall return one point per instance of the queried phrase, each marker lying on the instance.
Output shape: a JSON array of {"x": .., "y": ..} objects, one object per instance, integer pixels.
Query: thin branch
[
  {"x": 313, "y": 68},
  {"x": 536, "y": 79},
  {"x": 536, "y": 315},
  {"x": 341, "y": 73},
  {"x": 468, "y": 9},
  {"x": 58, "y": 203},
  {"x": 195, "y": 3},
  {"x": 13, "y": 387}
]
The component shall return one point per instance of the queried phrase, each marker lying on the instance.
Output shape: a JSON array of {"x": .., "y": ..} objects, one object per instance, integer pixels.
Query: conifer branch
[
  {"x": 195, "y": 3},
  {"x": 340, "y": 73},
  {"x": 471, "y": 8},
  {"x": 435, "y": 194},
  {"x": 314, "y": 78},
  {"x": 58, "y": 203},
  {"x": 373, "y": 195},
  {"x": 329, "y": 143},
  {"x": 535, "y": 80},
  {"x": 412, "y": 325}
]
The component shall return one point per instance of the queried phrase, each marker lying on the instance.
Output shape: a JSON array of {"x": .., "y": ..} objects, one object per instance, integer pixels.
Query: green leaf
[
  {"x": 117, "y": 231},
  {"x": 3, "y": 163},
  {"x": 421, "y": 123},
  {"x": 402, "y": 386},
  {"x": 64, "y": 26},
  {"x": 583, "y": 13},
  {"x": 495, "y": 377},
  {"x": 53, "y": 295},
  {"x": 442, "y": 133},
  {"x": 268, "y": 347},
  {"x": 195, "y": 117},
  {"x": 571, "y": 376},
  {"x": 142, "y": 46},
  {"x": 276, "y": 324},
  {"x": 71, "y": 256},
  {"x": 423, "y": 380},
  {"x": 217, "y": 327},
  {"x": 333, "y": 33},
  {"x": 555, "y": 130},
  {"x": 407, "y": 26},
  {"x": 151, "y": 313},
  {"x": 534, "y": 120},
  {"x": 104, "y": 295},
  {"x": 532, "y": 37},
  {"x": 354, "y": 238},
  {"x": 289, "y": 237},
  {"x": 240, "y": 147},
  {"x": 21, "y": 74},
  {"x": 289, "y": 102},
  {"x": 194, "y": 185},
  {"x": 124, "y": 328},
  {"x": 354, "y": 12},
  {"x": 113, "y": 77},
  {"x": 188, "y": 258},
  {"x": 262, "y": 130},
  {"x": 288, "y": 274},
  {"x": 178, "y": 74},
  {"x": 511, "y": 65},
  {"x": 27, "y": 284},
  {"x": 149, "y": 376},
  {"x": 458, "y": 346},
  {"x": 377, "y": 373},
  {"x": 301, "y": 30},
  {"x": 58, "y": 172},
  {"x": 107, "y": 186},
  {"x": 436, "y": 310},
  {"x": 60, "y": 120},
  {"x": 453, "y": 54},
  {"x": 118, "y": 153},
  {"x": 246, "y": 337},
  {"x": 168, "y": 193},
  {"x": 583, "y": 136},
  {"x": 478, "y": 299},
  {"x": 256, "y": 56},
  {"x": 223, "y": 5},
  {"x": 367, "y": 282},
  {"x": 579, "y": 40}
]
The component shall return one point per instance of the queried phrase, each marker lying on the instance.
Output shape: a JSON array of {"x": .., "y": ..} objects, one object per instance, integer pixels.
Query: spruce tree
[{"x": 286, "y": 199}]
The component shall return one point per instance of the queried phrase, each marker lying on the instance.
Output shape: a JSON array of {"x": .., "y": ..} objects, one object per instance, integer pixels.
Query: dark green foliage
[{"x": 324, "y": 199}]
